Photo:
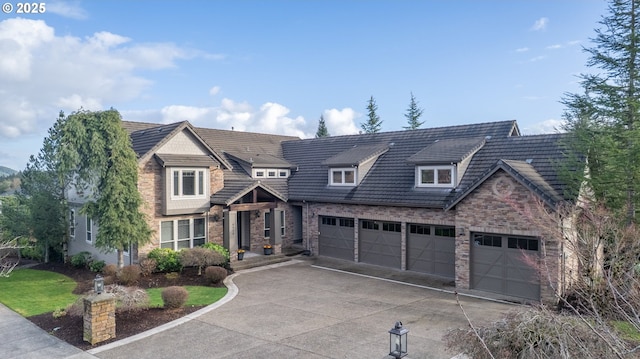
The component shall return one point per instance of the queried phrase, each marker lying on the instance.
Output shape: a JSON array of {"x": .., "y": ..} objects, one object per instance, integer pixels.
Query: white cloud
[
  {"x": 547, "y": 126},
  {"x": 540, "y": 24},
  {"x": 67, "y": 9},
  {"x": 554, "y": 47},
  {"x": 537, "y": 58},
  {"x": 214, "y": 90},
  {"x": 522, "y": 49},
  {"x": 42, "y": 73},
  {"x": 341, "y": 122}
]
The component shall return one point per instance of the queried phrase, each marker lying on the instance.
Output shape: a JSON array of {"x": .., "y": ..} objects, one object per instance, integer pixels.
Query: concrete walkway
[{"x": 287, "y": 310}]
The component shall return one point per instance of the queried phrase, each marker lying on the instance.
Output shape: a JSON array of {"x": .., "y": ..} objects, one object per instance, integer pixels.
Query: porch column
[{"x": 230, "y": 231}]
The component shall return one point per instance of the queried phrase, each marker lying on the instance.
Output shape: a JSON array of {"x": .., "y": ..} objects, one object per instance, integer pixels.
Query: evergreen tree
[
  {"x": 373, "y": 124},
  {"x": 413, "y": 115},
  {"x": 98, "y": 151},
  {"x": 603, "y": 122},
  {"x": 322, "y": 128}
]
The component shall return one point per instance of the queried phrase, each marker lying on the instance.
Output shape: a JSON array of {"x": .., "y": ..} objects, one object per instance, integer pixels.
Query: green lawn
[
  {"x": 197, "y": 295},
  {"x": 31, "y": 292}
]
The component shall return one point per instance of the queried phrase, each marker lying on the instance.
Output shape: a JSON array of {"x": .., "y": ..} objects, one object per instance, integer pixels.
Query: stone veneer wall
[
  {"x": 151, "y": 187},
  {"x": 257, "y": 229},
  {"x": 503, "y": 206}
]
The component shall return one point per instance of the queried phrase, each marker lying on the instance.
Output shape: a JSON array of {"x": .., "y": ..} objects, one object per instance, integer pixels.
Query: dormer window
[
  {"x": 435, "y": 176},
  {"x": 270, "y": 173},
  {"x": 342, "y": 177},
  {"x": 189, "y": 183}
]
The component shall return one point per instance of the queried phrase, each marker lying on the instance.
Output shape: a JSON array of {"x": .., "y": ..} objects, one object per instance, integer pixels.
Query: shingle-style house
[{"x": 428, "y": 200}]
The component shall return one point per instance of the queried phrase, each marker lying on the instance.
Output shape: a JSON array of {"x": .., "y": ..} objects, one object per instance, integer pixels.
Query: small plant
[
  {"x": 129, "y": 298},
  {"x": 96, "y": 266},
  {"x": 129, "y": 275},
  {"x": 59, "y": 313},
  {"x": 218, "y": 248},
  {"x": 167, "y": 260},
  {"x": 76, "y": 309},
  {"x": 241, "y": 250},
  {"x": 172, "y": 275},
  {"x": 110, "y": 270},
  {"x": 81, "y": 259},
  {"x": 174, "y": 297},
  {"x": 148, "y": 266},
  {"x": 215, "y": 274},
  {"x": 267, "y": 246}
]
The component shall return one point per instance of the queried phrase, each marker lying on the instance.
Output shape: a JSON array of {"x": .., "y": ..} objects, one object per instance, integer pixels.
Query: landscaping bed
[{"x": 69, "y": 328}]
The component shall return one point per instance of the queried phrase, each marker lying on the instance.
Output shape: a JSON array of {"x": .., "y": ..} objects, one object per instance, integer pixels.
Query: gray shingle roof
[
  {"x": 145, "y": 136},
  {"x": 258, "y": 160},
  {"x": 356, "y": 155},
  {"x": 391, "y": 180},
  {"x": 450, "y": 150},
  {"x": 166, "y": 159}
]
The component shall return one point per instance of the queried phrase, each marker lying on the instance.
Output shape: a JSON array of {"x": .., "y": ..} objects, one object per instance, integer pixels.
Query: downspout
[{"x": 306, "y": 228}]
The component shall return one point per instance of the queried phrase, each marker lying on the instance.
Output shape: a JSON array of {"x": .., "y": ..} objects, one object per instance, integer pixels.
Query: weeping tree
[
  {"x": 604, "y": 120},
  {"x": 97, "y": 151}
]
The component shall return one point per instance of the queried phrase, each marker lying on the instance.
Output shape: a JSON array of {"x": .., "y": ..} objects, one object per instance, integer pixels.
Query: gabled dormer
[
  {"x": 262, "y": 165},
  {"x": 443, "y": 162},
  {"x": 349, "y": 167}
]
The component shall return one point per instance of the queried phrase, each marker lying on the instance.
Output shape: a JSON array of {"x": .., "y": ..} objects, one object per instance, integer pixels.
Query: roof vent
[
  {"x": 529, "y": 160},
  {"x": 391, "y": 144},
  {"x": 487, "y": 137}
]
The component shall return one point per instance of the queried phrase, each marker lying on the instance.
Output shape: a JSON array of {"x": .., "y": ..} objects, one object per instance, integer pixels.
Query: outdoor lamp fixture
[
  {"x": 398, "y": 341},
  {"x": 98, "y": 284}
]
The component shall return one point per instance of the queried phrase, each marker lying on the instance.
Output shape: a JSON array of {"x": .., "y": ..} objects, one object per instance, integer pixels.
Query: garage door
[
  {"x": 499, "y": 265},
  {"x": 431, "y": 249},
  {"x": 380, "y": 243},
  {"x": 336, "y": 237}
]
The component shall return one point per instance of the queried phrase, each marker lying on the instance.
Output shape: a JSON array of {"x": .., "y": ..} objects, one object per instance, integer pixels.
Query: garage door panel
[
  {"x": 336, "y": 240},
  {"x": 502, "y": 264},
  {"x": 431, "y": 254},
  {"x": 378, "y": 246}
]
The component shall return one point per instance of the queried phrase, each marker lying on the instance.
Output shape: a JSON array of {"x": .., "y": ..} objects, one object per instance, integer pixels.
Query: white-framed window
[
  {"x": 267, "y": 224},
  {"x": 182, "y": 233},
  {"x": 270, "y": 173},
  {"x": 72, "y": 223},
  {"x": 189, "y": 183},
  {"x": 435, "y": 176},
  {"x": 342, "y": 177},
  {"x": 89, "y": 230},
  {"x": 282, "y": 224}
]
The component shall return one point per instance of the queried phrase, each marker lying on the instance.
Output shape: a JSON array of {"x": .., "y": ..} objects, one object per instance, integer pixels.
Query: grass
[
  {"x": 197, "y": 295},
  {"x": 31, "y": 292},
  {"x": 627, "y": 331}
]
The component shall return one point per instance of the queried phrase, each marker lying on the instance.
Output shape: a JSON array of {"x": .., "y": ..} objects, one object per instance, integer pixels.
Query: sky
[{"x": 277, "y": 66}]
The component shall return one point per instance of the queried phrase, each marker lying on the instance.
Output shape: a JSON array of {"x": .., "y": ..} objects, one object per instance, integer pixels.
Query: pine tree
[
  {"x": 604, "y": 121},
  {"x": 373, "y": 124},
  {"x": 322, "y": 128},
  {"x": 413, "y": 114}
]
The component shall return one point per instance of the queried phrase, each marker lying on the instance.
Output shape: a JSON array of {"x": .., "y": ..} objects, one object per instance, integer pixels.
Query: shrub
[
  {"x": 129, "y": 274},
  {"x": 201, "y": 257},
  {"x": 76, "y": 309},
  {"x": 215, "y": 274},
  {"x": 129, "y": 298},
  {"x": 167, "y": 260},
  {"x": 218, "y": 248},
  {"x": 174, "y": 297},
  {"x": 110, "y": 270},
  {"x": 81, "y": 259},
  {"x": 31, "y": 252},
  {"x": 148, "y": 266},
  {"x": 96, "y": 266}
]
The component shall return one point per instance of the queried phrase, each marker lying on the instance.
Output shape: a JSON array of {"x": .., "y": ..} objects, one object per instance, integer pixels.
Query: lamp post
[
  {"x": 398, "y": 341},
  {"x": 98, "y": 284}
]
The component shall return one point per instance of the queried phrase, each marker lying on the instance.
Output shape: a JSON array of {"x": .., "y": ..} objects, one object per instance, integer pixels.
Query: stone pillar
[{"x": 99, "y": 318}]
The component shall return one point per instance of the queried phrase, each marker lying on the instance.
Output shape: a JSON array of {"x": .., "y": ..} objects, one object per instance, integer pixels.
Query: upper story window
[
  {"x": 342, "y": 177},
  {"x": 72, "y": 223},
  {"x": 189, "y": 183},
  {"x": 89, "y": 237},
  {"x": 435, "y": 176},
  {"x": 270, "y": 173}
]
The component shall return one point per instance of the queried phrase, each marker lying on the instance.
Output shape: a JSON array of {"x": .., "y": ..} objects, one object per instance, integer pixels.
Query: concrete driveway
[{"x": 297, "y": 310}]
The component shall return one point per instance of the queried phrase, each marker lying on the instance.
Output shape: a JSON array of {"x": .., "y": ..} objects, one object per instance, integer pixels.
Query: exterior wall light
[{"x": 98, "y": 284}]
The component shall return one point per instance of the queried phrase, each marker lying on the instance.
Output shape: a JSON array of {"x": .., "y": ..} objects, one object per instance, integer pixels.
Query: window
[
  {"x": 419, "y": 229},
  {"x": 369, "y": 225},
  {"x": 487, "y": 240},
  {"x": 529, "y": 244},
  {"x": 435, "y": 176},
  {"x": 270, "y": 173},
  {"x": 346, "y": 222},
  {"x": 267, "y": 224},
  {"x": 72, "y": 223},
  {"x": 331, "y": 221},
  {"x": 89, "y": 238},
  {"x": 391, "y": 227},
  {"x": 445, "y": 231},
  {"x": 342, "y": 177},
  {"x": 189, "y": 183},
  {"x": 182, "y": 233},
  {"x": 282, "y": 226}
]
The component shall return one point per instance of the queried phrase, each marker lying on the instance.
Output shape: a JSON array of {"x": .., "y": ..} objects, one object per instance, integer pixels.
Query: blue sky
[{"x": 277, "y": 66}]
